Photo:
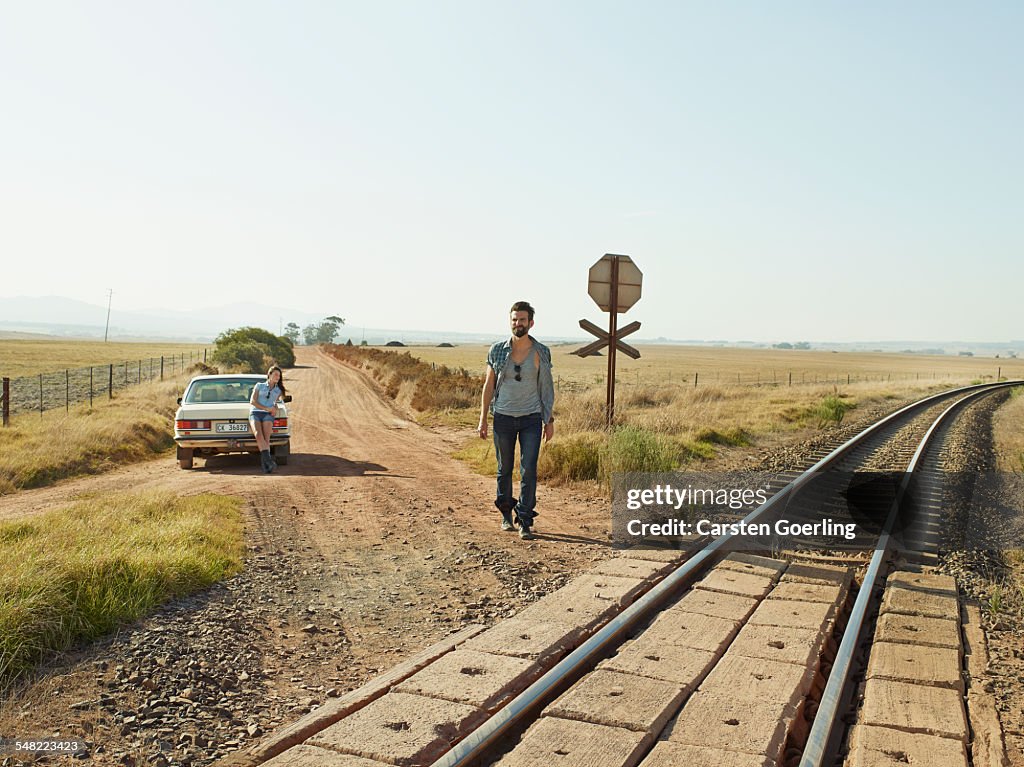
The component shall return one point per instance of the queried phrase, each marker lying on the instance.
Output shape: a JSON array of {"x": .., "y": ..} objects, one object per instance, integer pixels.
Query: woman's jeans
[{"x": 528, "y": 429}]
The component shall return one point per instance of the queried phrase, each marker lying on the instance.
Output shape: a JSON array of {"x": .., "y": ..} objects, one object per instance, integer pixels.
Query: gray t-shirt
[{"x": 522, "y": 397}]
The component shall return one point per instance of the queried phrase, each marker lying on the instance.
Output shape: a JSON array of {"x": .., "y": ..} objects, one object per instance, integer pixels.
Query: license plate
[{"x": 223, "y": 428}]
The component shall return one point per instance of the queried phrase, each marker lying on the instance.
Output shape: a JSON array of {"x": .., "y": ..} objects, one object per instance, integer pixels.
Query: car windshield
[{"x": 220, "y": 390}]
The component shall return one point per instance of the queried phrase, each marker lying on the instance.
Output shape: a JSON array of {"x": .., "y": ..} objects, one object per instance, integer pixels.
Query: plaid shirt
[{"x": 498, "y": 357}]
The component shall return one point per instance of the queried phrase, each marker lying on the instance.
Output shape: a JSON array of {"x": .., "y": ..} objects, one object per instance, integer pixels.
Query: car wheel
[
  {"x": 281, "y": 453},
  {"x": 185, "y": 456}
]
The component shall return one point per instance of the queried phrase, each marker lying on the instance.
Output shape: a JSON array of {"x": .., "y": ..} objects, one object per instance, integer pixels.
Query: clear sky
[{"x": 780, "y": 171}]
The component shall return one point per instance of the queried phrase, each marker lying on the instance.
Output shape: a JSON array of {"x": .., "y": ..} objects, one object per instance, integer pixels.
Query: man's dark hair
[{"x": 522, "y": 306}]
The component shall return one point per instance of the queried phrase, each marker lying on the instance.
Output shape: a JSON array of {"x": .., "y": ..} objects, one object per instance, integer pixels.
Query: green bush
[
  {"x": 633, "y": 448},
  {"x": 243, "y": 356},
  {"x": 571, "y": 458},
  {"x": 831, "y": 410},
  {"x": 252, "y": 350}
]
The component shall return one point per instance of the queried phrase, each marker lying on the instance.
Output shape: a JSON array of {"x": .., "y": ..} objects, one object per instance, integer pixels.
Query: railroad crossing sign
[
  {"x": 604, "y": 339},
  {"x": 614, "y": 284}
]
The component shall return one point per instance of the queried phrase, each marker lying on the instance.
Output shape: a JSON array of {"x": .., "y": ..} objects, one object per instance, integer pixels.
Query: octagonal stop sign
[{"x": 599, "y": 285}]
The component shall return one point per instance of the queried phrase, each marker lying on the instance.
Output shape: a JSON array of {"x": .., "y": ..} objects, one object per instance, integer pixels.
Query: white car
[{"x": 213, "y": 417}]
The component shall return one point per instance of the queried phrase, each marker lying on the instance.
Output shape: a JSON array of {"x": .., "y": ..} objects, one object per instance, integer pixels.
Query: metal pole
[
  {"x": 613, "y": 315},
  {"x": 110, "y": 297},
  {"x": 7, "y": 401}
]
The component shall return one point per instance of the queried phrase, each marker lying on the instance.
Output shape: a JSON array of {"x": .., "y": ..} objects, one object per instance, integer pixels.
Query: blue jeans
[{"x": 528, "y": 429}]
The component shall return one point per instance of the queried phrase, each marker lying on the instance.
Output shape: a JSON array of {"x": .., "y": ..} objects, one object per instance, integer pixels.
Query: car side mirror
[
  {"x": 287, "y": 397},
  {"x": 179, "y": 400}
]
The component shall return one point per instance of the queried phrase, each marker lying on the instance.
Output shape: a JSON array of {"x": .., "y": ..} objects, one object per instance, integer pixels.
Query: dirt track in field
[{"x": 379, "y": 528}]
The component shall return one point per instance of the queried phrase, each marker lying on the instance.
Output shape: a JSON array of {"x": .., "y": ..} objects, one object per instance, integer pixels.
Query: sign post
[{"x": 614, "y": 284}]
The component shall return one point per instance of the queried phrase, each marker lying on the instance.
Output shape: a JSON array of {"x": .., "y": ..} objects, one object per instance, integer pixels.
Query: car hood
[{"x": 217, "y": 410}]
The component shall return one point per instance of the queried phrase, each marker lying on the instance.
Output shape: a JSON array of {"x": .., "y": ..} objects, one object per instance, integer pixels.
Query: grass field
[
  {"x": 134, "y": 426},
  {"x": 679, "y": 364},
  {"x": 79, "y": 572},
  {"x": 19, "y": 358},
  {"x": 1008, "y": 432},
  {"x": 741, "y": 399}
]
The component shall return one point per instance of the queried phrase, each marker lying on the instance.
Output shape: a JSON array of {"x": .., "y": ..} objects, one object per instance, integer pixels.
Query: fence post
[
  {"x": 40, "y": 395},
  {"x": 110, "y": 382},
  {"x": 7, "y": 401},
  {"x": 161, "y": 367},
  {"x": 140, "y": 373},
  {"x": 999, "y": 373},
  {"x": 67, "y": 390},
  {"x": 126, "y": 374},
  {"x": 90, "y": 387},
  {"x": 695, "y": 379},
  {"x": 204, "y": 356},
  {"x": 847, "y": 379},
  {"x": 790, "y": 377}
]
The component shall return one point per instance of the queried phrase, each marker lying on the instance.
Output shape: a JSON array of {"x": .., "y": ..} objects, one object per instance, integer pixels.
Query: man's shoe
[
  {"x": 506, "y": 522},
  {"x": 524, "y": 532}
]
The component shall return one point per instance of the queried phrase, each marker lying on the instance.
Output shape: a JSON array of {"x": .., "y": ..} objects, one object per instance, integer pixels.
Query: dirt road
[{"x": 370, "y": 545}]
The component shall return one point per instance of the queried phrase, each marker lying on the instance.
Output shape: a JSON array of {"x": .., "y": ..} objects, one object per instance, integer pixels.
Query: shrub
[
  {"x": 253, "y": 350},
  {"x": 633, "y": 448},
  {"x": 243, "y": 356},
  {"x": 831, "y": 410},
  {"x": 571, "y": 458}
]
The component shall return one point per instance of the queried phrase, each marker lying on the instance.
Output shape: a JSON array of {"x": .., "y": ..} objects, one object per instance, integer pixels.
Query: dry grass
[
  {"x": 79, "y": 572},
  {"x": 676, "y": 365},
  {"x": 665, "y": 421},
  {"x": 26, "y": 358},
  {"x": 134, "y": 426},
  {"x": 1008, "y": 432}
]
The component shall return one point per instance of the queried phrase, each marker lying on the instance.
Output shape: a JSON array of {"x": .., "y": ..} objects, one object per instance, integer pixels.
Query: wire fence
[
  {"x": 64, "y": 388},
  {"x": 779, "y": 378}
]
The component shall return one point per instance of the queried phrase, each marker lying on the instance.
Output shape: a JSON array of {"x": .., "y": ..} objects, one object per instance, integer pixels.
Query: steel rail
[
  {"x": 823, "y": 731},
  {"x": 474, "y": 745}
]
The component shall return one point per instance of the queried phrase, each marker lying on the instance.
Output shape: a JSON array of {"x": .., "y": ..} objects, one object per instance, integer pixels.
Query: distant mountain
[{"x": 56, "y": 315}]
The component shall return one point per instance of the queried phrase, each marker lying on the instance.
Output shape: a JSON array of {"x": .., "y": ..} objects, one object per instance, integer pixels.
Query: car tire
[
  {"x": 281, "y": 453},
  {"x": 185, "y": 458}
]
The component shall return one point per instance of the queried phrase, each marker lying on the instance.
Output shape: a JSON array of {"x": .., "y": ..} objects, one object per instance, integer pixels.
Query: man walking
[{"x": 519, "y": 391}]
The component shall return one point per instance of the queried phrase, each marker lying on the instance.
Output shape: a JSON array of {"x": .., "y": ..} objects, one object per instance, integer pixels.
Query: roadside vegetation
[
  {"x": 134, "y": 426},
  {"x": 426, "y": 388},
  {"x": 77, "y": 573},
  {"x": 662, "y": 426},
  {"x": 1008, "y": 432}
]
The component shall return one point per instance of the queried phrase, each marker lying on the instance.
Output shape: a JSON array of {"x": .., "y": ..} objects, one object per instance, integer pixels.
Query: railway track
[{"x": 707, "y": 656}]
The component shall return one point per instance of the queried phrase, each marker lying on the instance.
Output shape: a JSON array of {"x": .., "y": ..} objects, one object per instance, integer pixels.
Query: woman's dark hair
[
  {"x": 522, "y": 306},
  {"x": 280, "y": 380}
]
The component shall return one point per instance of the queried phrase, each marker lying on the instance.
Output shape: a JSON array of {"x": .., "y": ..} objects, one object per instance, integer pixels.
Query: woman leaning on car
[{"x": 264, "y": 409}]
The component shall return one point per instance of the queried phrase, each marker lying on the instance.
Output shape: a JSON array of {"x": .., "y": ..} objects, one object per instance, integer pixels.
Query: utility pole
[{"x": 110, "y": 297}]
